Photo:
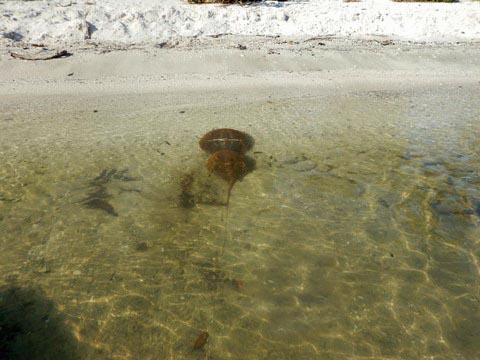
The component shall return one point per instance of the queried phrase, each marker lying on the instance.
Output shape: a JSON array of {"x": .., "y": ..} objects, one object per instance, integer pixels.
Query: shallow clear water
[{"x": 357, "y": 236}]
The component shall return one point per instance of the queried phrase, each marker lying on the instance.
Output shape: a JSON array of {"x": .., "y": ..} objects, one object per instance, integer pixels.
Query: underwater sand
[{"x": 356, "y": 237}]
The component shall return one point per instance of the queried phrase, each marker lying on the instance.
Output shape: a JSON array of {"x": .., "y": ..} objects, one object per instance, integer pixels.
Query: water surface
[{"x": 356, "y": 237}]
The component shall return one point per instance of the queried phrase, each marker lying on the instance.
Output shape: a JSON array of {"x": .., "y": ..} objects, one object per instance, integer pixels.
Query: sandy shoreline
[{"x": 221, "y": 64}]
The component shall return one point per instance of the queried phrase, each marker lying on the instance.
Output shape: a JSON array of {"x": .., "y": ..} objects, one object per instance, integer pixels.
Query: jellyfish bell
[{"x": 226, "y": 139}]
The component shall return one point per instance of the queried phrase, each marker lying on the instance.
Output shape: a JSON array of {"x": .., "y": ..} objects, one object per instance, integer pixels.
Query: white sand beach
[
  {"x": 150, "y": 22},
  {"x": 145, "y": 41},
  {"x": 112, "y": 41}
]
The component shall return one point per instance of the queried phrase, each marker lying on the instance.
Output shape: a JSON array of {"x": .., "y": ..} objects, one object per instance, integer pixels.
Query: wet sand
[{"x": 199, "y": 65}]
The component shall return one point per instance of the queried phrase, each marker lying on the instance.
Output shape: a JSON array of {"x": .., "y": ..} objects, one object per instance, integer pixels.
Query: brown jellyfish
[{"x": 227, "y": 158}]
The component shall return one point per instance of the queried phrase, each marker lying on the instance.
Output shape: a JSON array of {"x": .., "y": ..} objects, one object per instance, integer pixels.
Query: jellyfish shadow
[{"x": 32, "y": 328}]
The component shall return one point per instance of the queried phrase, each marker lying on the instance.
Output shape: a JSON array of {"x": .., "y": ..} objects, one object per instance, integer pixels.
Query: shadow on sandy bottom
[{"x": 32, "y": 328}]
